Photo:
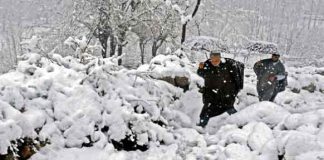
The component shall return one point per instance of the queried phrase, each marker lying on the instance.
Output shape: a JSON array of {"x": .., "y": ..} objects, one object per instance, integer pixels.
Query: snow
[
  {"x": 163, "y": 65},
  {"x": 71, "y": 104},
  {"x": 236, "y": 151},
  {"x": 32, "y": 44}
]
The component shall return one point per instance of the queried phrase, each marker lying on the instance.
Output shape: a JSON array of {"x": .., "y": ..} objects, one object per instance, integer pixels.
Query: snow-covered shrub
[
  {"x": 82, "y": 48},
  {"x": 199, "y": 46},
  {"x": 34, "y": 44},
  {"x": 18, "y": 128},
  {"x": 76, "y": 105},
  {"x": 263, "y": 47},
  {"x": 174, "y": 68},
  {"x": 204, "y": 42}
]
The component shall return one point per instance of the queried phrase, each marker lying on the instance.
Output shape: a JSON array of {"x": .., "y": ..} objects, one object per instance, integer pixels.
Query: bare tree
[{"x": 185, "y": 23}]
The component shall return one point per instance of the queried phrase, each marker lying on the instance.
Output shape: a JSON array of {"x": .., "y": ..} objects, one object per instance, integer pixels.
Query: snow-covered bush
[
  {"x": 175, "y": 68},
  {"x": 82, "y": 47},
  {"x": 263, "y": 47},
  {"x": 76, "y": 105},
  {"x": 205, "y": 42}
]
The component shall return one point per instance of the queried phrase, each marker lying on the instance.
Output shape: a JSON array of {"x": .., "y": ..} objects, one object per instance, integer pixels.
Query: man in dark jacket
[
  {"x": 223, "y": 81},
  {"x": 271, "y": 77}
]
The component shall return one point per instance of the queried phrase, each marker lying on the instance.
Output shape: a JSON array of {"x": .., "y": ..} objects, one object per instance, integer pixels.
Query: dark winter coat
[
  {"x": 222, "y": 82},
  {"x": 264, "y": 69}
]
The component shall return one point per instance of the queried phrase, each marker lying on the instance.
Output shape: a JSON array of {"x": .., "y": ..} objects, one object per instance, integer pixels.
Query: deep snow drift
[{"x": 84, "y": 110}]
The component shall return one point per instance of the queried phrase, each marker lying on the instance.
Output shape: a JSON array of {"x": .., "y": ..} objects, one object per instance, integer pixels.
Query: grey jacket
[{"x": 267, "y": 68}]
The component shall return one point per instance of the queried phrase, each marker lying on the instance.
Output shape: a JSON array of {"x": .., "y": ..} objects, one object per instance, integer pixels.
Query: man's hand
[
  {"x": 272, "y": 78},
  {"x": 201, "y": 65},
  {"x": 259, "y": 63}
]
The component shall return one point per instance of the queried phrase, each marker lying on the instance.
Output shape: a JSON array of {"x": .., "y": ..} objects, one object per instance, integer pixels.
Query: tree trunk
[
  {"x": 154, "y": 49},
  {"x": 316, "y": 16},
  {"x": 184, "y": 32},
  {"x": 120, "y": 52},
  {"x": 13, "y": 58},
  {"x": 198, "y": 28},
  {"x": 142, "y": 48},
  {"x": 113, "y": 45},
  {"x": 184, "y": 26},
  {"x": 120, "y": 46},
  {"x": 311, "y": 15},
  {"x": 103, "y": 40}
]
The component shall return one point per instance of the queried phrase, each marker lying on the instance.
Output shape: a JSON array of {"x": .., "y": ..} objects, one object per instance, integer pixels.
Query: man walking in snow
[
  {"x": 271, "y": 76},
  {"x": 223, "y": 80}
]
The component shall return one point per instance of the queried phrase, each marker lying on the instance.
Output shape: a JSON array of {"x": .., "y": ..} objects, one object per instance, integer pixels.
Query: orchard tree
[{"x": 153, "y": 21}]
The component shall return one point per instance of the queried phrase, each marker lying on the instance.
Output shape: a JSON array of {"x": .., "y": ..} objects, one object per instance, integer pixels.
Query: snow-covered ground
[{"x": 82, "y": 109}]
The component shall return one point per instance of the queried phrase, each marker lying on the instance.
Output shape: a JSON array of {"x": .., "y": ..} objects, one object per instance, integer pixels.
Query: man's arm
[
  {"x": 281, "y": 74},
  {"x": 238, "y": 75},
  {"x": 257, "y": 67},
  {"x": 201, "y": 70}
]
